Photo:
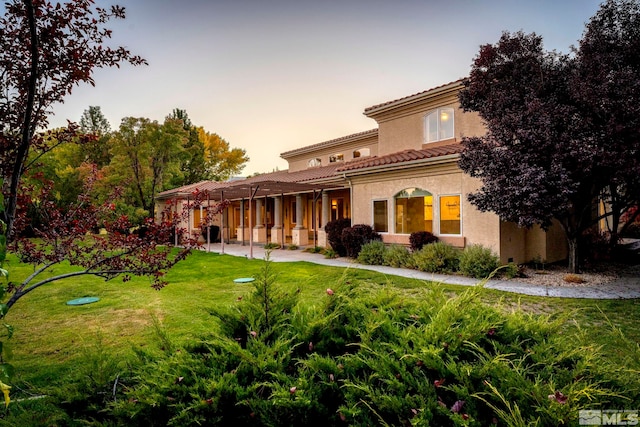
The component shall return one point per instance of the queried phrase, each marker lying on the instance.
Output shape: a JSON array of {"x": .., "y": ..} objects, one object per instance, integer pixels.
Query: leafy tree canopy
[
  {"x": 45, "y": 50},
  {"x": 562, "y": 130}
]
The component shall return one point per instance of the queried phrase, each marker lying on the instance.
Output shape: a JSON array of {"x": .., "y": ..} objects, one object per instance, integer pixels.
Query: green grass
[{"x": 51, "y": 338}]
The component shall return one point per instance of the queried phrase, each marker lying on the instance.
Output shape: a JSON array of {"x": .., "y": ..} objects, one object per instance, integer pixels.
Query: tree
[
  {"x": 607, "y": 88},
  {"x": 146, "y": 155},
  {"x": 45, "y": 50},
  {"x": 93, "y": 122},
  {"x": 550, "y": 151},
  {"x": 221, "y": 161},
  {"x": 192, "y": 166}
]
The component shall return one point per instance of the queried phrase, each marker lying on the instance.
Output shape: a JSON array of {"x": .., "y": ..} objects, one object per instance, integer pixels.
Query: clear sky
[{"x": 274, "y": 75}]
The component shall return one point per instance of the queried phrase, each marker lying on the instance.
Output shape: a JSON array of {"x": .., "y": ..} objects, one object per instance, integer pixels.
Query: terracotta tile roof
[
  {"x": 329, "y": 143},
  {"x": 401, "y": 157},
  {"x": 304, "y": 175},
  {"x": 404, "y": 99}
]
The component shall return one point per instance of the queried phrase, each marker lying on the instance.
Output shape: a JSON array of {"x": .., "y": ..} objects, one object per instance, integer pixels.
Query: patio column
[
  {"x": 325, "y": 215},
  {"x": 259, "y": 230},
  {"x": 240, "y": 229},
  {"x": 300, "y": 235},
  {"x": 276, "y": 235}
]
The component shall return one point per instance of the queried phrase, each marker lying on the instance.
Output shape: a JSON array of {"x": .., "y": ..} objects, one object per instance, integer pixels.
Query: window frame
[
  {"x": 395, "y": 209},
  {"x": 440, "y": 197},
  {"x": 314, "y": 163},
  {"x": 438, "y": 113},
  {"x": 373, "y": 215}
]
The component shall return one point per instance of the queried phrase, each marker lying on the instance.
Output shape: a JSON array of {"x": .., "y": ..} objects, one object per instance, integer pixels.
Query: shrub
[
  {"x": 512, "y": 270},
  {"x": 314, "y": 249},
  {"x": 329, "y": 253},
  {"x": 398, "y": 256},
  {"x": 372, "y": 253},
  {"x": 418, "y": 239},
  {"x": 435, "y": 360},
  {"x": 272, "y": 246},
  {"x": 334, "y": 234},
  {"x": 437, "y": 258},
  {"x": 354, "y": 237},
  {"x": 478, "y": 262}
]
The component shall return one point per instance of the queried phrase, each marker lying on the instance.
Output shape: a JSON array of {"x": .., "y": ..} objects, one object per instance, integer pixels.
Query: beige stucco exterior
[{"x": 393, "y": 157}]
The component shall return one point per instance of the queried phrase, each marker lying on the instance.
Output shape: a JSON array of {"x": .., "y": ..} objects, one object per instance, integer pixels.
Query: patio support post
[
  {"x": 222, "y": 222},
  {"x": 324, "y": 219},
  {"x": 259, "y": 231},
  {"x": 277, "y": 220},
  {"x": 300, "y": 235},
  {"x": 325, "y": 208},
  {"x": 241, "y": 231}
]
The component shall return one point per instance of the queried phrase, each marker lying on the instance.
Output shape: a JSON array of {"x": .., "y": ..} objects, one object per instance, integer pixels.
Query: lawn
[{"x": 53, "y": 339}]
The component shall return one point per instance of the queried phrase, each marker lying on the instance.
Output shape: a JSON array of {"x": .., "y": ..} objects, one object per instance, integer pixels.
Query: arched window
[
  {"x": 413, "y": 211},
  {"x": 438, "y": 125},
  {"x": 314, "y": 162},
  {"x": 338, "y": 157},
  {"x": 361, "y": 152}
]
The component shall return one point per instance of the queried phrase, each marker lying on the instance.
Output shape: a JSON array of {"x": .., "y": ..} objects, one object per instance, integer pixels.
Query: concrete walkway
[{"x": 627, "y": 286}]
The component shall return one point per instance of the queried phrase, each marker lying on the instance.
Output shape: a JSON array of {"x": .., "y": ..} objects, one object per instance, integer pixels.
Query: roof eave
[{"x": 404, "y": 165}]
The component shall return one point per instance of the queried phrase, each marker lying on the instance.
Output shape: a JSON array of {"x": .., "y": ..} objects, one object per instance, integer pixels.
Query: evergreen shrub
[
  {"x": 478, "y": 262},
  {"x": 398, "y": 256},
  {"x": 372, "y": 253},
  {"x": 362, "y": 355},
  {"x": 437, "y": 257}
]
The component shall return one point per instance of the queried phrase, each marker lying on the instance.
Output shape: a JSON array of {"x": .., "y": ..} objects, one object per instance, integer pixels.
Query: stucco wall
[
  {"x": 406, "y": 131},
  {"x": 477, "y": 227},
  {"x": 300, "y": 161}
]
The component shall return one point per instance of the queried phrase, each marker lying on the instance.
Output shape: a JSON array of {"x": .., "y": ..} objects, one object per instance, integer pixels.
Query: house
[{"x": 399, "y": 177}]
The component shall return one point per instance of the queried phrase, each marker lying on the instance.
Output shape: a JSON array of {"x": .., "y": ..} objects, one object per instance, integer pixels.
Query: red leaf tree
[
  {"x": 45, "y": 50},
  {"x": 67, "y": 235},
  {"x": 563, "y": 130}
]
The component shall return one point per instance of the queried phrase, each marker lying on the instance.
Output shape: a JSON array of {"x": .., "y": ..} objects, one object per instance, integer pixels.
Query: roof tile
[{"x": 401, "y": 157}]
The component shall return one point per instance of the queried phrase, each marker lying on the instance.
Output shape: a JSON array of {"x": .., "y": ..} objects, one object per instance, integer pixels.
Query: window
[
  {"x": 450, "y": 215},
  {"x": 380, "y": 216},
  {"x": 197, "y": 217},
  {"x": 362, "y": 152},
  {"x": 334, "y": 158},
  {"x": 414, "y": 211},
  {"x": 337, "y": 209},
  {"x": 438, "y": 125},
  {"x": 314, "y": 162}
]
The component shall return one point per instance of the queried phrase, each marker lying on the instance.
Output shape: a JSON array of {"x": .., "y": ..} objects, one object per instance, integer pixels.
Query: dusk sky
[{"x": 271, "y": 76}]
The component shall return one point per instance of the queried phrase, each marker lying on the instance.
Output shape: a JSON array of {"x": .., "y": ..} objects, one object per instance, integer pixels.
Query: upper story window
[
  {"x": 362, "y": 152},
  {"x": 338, "y": 157},
  {"x": 438, "y": 125},
  {"x": 314, "y": 162}
]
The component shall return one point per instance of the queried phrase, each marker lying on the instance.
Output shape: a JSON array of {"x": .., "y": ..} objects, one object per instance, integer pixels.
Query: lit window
[
  {"x": 380, "y": 223},
  {"x": 450, "y": 214},
  {"x": 314, "y": 162},
  {"x": 197, "y": 217},
  {"x": 438, "y": 125},
  {"x": 336, "y": 158},
  {"x": 362, "y": 152},
  {"x": 414, "y": 211}
]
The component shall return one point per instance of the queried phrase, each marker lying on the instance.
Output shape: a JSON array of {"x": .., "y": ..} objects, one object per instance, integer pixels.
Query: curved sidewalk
[{"x": 625, "y": 287}]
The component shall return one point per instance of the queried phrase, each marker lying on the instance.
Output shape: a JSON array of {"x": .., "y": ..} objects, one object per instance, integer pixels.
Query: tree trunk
[{"x": 574, "y": 259}]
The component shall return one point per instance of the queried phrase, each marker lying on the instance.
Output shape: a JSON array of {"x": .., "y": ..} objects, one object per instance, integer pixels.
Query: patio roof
[{"x": 249, "y": 188}]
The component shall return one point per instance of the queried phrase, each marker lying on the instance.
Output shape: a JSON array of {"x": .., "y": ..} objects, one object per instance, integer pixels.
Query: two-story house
[{"x": 399, "y": 178}]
